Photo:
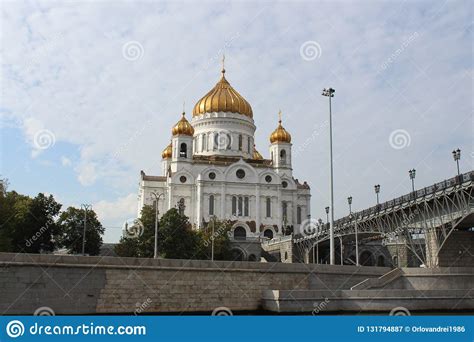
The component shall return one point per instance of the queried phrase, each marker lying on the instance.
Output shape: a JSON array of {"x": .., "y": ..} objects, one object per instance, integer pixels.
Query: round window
[
  {"x": 268, "y": 179},
  {"x": 284, "y": 184},
  {"x": 182, "y": 179},
  {"x": 240, "y": 173},
  {"x": 212, "y": 175}
]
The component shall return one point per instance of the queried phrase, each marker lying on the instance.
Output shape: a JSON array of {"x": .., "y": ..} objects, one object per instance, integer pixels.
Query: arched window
[
  {"x": 268, "y": 233},
  {"x": 240, "y": 233},
  {"x": 181, "y": 206},
  {"x": 248, "y": 145},
  {"x": 283, "y": 156},
  {"x": 269, "y": 207},
  {"x": 240, "y": 211},
  {"x": 298, "y": 215},
  {"x": 203, "y": 142},
  {"x": 234, "y": 205},
  {"x": 284, "y": 210},
  {"x": 211, "y": 205},
  {"x": 183, "y": 150},
  {"x": 246, "y": 206},
  {"x": 240, "y": 142}
]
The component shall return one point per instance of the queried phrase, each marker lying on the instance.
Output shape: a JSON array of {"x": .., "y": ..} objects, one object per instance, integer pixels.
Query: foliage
[
  {"x": 222, "y": 247},
  {"x": 71, "y": 224}
]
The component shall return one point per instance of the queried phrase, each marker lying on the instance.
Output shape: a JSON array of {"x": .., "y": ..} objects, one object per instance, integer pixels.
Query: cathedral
[{"x": 211, "y": 168}]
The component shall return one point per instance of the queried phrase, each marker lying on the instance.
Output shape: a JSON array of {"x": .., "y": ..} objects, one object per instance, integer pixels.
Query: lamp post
[
  {"x": 349, "y": 201},
  {"x": 86, "y": 207},
  {"x": 377, "y": 190},
  {"x": 327, "y": 215},
  {"x": 412, "y": 174},
  {"x": 329, "y": 92},
  {"x": 212, "y": 237},
  {"x": 157, "y": 198},
  {"x": 457, "y": 156}
]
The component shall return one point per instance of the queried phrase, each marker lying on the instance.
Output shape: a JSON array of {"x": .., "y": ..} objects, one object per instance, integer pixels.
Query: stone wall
[{"x": 90, "y": 285}]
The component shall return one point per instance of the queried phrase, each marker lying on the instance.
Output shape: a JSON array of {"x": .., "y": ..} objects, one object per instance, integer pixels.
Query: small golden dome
[
  {"x": 167, "y": 152},
  {"x": 183, "y": 127},
  {"x": 223, "y": 98},
  {"x": 280, "y": 134},
  {"x": 256, "y": 154}
]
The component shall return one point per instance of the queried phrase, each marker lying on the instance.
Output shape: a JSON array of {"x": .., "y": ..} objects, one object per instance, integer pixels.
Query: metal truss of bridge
[{"x": 423, "y": 220}]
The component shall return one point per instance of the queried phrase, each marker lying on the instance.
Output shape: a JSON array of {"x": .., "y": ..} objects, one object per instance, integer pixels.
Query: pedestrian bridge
[{"x": 424, "y": 220}]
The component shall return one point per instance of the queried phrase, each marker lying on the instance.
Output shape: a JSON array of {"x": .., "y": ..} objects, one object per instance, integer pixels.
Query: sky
[{"x": 91, "y": 89}]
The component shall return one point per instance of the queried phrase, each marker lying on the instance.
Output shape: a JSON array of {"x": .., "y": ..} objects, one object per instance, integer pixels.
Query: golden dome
[
  {"x": 167, "y": 152},
  {"x": 223, "y": 98},
  {"x": 183, "y": 127},
  {"x": 280, "y": 134},
  {"x": 256, "y": 154}
]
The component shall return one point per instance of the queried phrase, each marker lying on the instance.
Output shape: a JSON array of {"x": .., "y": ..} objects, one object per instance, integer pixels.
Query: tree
[
  {"x": 71, "y": 224},
  {"x": 176, "y": 238},
  {"x": 28, "y": 225},
  {"x": 222, "y": 248}
]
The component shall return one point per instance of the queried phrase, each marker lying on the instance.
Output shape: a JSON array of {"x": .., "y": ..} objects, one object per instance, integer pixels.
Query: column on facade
[
  {"x": 198, "y": 203},
  {"x": 223, "y": 195},
  {"x": 257, "y": 208}
]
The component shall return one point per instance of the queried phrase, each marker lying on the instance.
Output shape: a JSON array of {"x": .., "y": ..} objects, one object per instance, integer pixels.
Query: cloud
[
  {"x": 65, "y": 161},
  {"x": 112, "y": 214}
]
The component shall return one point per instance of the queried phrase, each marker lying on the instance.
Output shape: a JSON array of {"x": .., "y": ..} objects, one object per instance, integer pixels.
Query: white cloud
[
  {"x": 65, "y": 161},
  {"x": 113, "y": 214}
]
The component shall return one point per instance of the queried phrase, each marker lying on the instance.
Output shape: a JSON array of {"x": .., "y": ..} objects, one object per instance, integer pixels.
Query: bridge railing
[{"x": 457, "y": 180}]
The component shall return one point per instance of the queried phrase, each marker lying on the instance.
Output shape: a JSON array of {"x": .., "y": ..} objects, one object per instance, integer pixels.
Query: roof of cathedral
[
  {"x": 228, "y": 160},
  {"x": 152, "y": 178},
  {"x": 280, "y": 134},
  {"x": 256, "y": 154},
  {"x": 223, "y": 98},
  {"x": 167, "y": 152},
  {"x": 183, "y": 127}
]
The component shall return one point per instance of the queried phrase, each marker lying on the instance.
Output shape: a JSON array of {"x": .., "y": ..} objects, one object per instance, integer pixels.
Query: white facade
[{"x": 214, "y": 172}]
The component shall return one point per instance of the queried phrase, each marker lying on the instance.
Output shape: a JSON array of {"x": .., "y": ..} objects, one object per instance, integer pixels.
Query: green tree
[
  {"x": 176, "y": 239},
  {"x": 28, "y": 225},
  {"x": 222, "y": 248},
  {"x": 71, "y": 223}
]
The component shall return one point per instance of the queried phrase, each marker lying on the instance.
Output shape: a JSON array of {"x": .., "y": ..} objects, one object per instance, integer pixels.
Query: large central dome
[{"x": 223, "y": 98}]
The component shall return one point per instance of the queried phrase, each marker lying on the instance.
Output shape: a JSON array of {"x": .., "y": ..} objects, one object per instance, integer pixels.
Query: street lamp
[
  {"x": 412, "y": 177},
  {"x": 349, "y": 201},
  {"x": 377, "y": 190},
  {"x": 457, "y": 156},
  {"x": 329, "y": 92},
  {"x": 157, "y": 198},
  {"x": 327, "y": 214},
  {"x": 86, "y": 207}
]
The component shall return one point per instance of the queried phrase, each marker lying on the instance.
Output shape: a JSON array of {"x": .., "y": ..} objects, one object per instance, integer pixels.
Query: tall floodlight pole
[
  {"x": 377, "y": 190},
  {"x": 457, "y": 156},
  {"x": 86, "y": 207},
  {"x": 412, "y": 177},
  {"x": 157, "y": 212},
  {"x": 329, "y": 92}
]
